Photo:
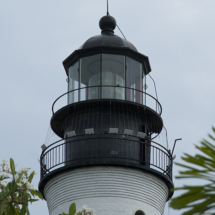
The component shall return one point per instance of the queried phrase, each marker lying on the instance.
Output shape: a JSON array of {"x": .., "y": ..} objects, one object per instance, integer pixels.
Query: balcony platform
[
  {"x": 106, "y": 113},
  {"x": 109, "y": 150}
]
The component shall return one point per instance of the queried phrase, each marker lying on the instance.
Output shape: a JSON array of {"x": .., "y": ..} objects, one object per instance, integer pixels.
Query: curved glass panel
[
  {"x": 134, "y": 80},
  {"x": 90, "y": 77},
  {"x": 113, "y": 74},
  {"x": 106, "y": 76},
  {"x": 73, "y": 83}
]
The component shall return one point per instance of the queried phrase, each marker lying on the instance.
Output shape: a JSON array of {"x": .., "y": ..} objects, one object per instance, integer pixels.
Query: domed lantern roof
[
  {"x": 107, "y": 43},
  {"x": 107, "y": 36}
]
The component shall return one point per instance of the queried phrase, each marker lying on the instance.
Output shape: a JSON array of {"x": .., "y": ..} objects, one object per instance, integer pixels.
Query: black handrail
[
  {"x": 160, "y": 157},
  {"x": 157, "y": 102},
  {"x": 150, "y": 140}
]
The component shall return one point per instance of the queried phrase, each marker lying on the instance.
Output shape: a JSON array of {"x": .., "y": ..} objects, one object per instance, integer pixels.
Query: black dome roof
[{"x": 107, "y": 37}]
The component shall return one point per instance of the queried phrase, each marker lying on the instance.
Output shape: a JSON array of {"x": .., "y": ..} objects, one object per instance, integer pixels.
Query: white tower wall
[{"x": 108, "y": 190}]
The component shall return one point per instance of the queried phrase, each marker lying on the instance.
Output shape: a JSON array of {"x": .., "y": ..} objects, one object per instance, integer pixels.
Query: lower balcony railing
[{"x": 102, "y": 149}]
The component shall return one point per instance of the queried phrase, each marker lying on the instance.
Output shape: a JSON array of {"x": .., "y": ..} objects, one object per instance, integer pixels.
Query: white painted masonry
[{"x": 108, "y": 190}]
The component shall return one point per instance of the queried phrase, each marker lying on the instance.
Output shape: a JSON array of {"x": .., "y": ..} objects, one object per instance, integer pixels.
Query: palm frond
[{"x": 198, "y": 199}]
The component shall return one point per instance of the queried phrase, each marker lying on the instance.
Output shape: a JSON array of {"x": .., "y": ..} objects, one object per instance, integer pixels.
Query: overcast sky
[{"x": 178, "y": 36}]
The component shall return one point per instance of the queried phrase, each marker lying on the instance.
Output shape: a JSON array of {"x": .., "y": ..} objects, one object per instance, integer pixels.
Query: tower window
[{"x": 139, "y": 212}]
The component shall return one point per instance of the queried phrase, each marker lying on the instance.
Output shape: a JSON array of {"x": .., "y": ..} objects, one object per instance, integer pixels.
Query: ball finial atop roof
[
  {"x": 107, "y": 38},
  {"x": 107, "y": 23}
]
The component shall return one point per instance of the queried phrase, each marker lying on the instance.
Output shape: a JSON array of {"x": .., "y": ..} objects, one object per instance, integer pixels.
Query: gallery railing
[
  {"x": 86, "y": 150},
  {"x": 107, "y": 92}
]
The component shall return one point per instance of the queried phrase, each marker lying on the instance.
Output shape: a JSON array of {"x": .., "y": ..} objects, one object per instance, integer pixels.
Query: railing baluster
[
  {"x": 62, "y": 154},
  {"x": 52, "y": 160},
  {"x": 162, "y": 161},
  {"x": 159, "y": 157},
  {"x": 55, "y": 160},
  {"x": 156, "y": 156}
]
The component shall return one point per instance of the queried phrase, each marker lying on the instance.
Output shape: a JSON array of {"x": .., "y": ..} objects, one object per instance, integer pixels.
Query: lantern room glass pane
[
  {"x": 73, "y": 83},
  {"x": 134, "y": 81},
  {"x": 144, "y": 87},
  {"x": 113, "y": 76},
  {"x": 90, "y": 77}
]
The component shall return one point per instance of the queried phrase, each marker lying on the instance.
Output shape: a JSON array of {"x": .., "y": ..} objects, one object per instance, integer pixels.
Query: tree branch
[{"x": 4, "y": 197}]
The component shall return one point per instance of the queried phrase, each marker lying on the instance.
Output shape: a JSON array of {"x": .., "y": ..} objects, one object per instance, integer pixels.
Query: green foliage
[
  {"x": 16, "y": 189},
  {"x": 36, "y": 193},
  {"x": 198, "y": 199},
  {"x": 12, "y": 167},
  {"x": 84, "y": 211},
  {"x": 72, "y": 209}
]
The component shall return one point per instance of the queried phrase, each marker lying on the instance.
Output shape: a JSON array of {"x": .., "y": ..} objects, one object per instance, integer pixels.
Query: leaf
[
  {"x": 33, "y": 200},
  {"x": 13, "y": 186},
  {"x": 12, "y": 166},
  {"x": 64, "y": 214},
  {"x": 72, "y": 209},
  {"x": 28, "y": 196},
  {"x": 19, "y": 178},
  {"x": 12, "y": 209},
  {"x": 22, "y": 212},
  {"x": 31, "y": 176},
  {"x": 25, "y": 198},
  {"x": 36, "y": 193},
  {"x": 3, "y": 205},
  {"x": 3, "y": 194},
  {"x": 17, "y": 211},
  {"x": 28, "y": 213}
]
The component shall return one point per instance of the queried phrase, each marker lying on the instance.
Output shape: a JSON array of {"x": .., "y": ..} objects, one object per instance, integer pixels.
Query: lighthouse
[{"x": 107, "y": 156}]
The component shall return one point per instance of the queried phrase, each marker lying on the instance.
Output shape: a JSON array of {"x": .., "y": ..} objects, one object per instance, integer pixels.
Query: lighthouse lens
[
  {"x": 73, "y": 83},
  {"x": 134, "y": 81},
  {"x": 113, "y": 76},
  {"x": 90, "y": 77}
]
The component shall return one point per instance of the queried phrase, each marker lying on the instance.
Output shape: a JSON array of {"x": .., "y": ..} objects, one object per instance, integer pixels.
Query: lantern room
[
  {"x": 106, "y": 67},
  {"x": 106, "y": 76}
]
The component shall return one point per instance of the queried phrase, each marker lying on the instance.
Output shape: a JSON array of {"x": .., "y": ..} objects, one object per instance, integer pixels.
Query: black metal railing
[
  {"x": 86, "y": 150},
  {"x": 118, "y": 92}
]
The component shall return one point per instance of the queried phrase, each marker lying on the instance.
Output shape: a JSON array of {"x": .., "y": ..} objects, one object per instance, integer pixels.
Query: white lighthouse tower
[{"x": 107, "y": 157}]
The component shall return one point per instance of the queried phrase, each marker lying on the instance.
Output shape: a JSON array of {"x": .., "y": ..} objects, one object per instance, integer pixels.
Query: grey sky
[{"x": 36, "y": 36}]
